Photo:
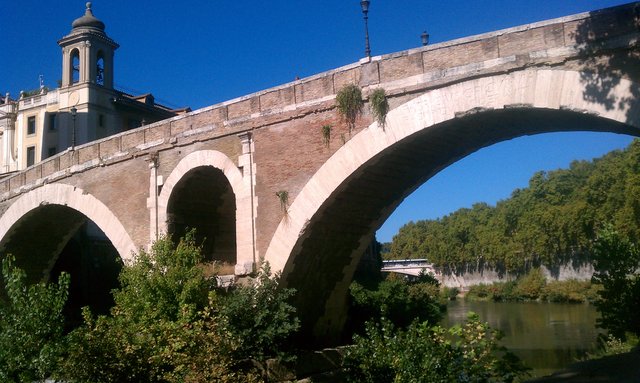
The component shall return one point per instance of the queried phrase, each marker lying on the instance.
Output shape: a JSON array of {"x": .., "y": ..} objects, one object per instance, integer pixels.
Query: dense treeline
[{"x": 553, "y": 220}]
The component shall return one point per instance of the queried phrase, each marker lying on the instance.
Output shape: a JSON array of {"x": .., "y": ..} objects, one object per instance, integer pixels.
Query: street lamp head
[
  {"x": 73, "y": 111},
  {"x": 425, "y": 38},
  {"x": 365, "y": 6}
]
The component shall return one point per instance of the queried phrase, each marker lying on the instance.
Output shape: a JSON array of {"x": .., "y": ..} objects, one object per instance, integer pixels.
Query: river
[{"x": 546, "y": 336}]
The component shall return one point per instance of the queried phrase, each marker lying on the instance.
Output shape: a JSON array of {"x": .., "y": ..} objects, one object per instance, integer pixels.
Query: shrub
[
  {"x": 170, "y": 325},
  {"x": 530, "y": 286},
  {"x": 31, "y": 325},
  {"x": 478, "y": 292},
  {"x": 569, "y": 291},
  {"x": 397, "y": 300},
  {"x": 450, "y": 293},
  {"x": 423, "y": 353},
  {"x": 260, "y": 317}
]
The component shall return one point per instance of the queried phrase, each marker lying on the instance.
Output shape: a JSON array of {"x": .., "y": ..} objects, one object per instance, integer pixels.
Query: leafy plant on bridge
[
  {"x": 283, "y": 197},
  {"x": 350, "y": 104},
  {"x": 31, "y": 325},
  {"x": 379, "y": 106},
  {"x": 326, "y": 134}
]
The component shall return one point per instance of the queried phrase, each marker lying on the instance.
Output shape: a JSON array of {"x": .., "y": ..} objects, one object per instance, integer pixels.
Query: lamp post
[
  {"x": 425, "y": 38},
  {"x": 365, "y": 10},
  {"x": 73, "y": 111}
]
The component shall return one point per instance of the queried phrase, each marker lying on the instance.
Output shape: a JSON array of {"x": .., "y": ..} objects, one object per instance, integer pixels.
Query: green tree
[
  {"x": 616, "y": 262},
  {"x": 31, "y": 325},
  {"x": 552, "y": 221}
]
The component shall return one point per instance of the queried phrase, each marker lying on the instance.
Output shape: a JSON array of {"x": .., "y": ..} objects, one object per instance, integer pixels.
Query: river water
[{"x": 546, "y": 336}]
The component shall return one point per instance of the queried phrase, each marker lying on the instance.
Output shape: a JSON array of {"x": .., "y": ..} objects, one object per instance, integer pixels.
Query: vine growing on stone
[
  {"x": 350, "y": 104},
  {"x": 379, "y": 106},
  {"x": 326, "y": 134},
  {"x": 283, "y": 196}
]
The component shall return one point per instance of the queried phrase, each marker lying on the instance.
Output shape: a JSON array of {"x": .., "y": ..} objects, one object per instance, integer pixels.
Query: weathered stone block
[
  {"x": 277, "y": 99},
  {"x": 33, "y": 174},
  {"x": 314, "y": 89},
  {"x": 350, "y": 76},
  {"x": 244, "y": 108},
  {"x": 109, "y": 147},
  {"x": 50, "y": 166},
  {"x": 155, "y": 133},
  {"x": 88, "y": 153},
  {"x": 132, "y": 139},
  {"x": 401, "y": 67},
  {"x": 458, "y": 55},
  {"x": 535, "y": 39}
]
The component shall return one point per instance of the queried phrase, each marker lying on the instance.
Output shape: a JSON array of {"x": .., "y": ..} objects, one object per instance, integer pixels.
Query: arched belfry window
[
  {"x": 100, "y": 69},
  {"x": 75, "y": 66}
]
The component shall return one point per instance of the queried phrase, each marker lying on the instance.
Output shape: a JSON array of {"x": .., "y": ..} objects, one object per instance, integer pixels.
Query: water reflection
[{"x": 547, "y": 336}]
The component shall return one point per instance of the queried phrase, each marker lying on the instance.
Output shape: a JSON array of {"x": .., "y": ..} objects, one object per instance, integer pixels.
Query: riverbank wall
[{"x": 463, "y": 279}]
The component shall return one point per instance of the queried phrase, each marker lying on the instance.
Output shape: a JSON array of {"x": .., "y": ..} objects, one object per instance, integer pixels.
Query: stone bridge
[{"x": 260, "y": 181}]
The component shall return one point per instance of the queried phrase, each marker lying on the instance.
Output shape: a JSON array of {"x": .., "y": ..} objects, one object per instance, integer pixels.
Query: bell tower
[{"x": 87, "y": 53}]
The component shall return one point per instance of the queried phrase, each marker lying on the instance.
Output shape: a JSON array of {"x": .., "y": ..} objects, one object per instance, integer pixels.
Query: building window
[
  {"x": 75, "y": 66},
  {"x": 31, "y": 125},
  {"x": 52, "y": 121},
  {"x": 100, "y": 69},
  {"x": 31, "y": 155},
  {"x": 101, "y": 120},
  {"x": 52, "y": 151}
]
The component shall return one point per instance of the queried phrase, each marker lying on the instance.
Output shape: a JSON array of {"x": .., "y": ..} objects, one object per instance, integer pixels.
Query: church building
[{"x": 85, "y": 107}]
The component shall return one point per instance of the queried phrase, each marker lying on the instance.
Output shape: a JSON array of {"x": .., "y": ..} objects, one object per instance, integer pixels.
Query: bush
[
  {"x": 397, "y": 300},
  {"x": 531, "y": 285},
  {"x": 170, "y": 325},
  {"x": 478, "y": 292},
  {"x": 569, "y": 291},
  {"x": 449, "y": 293},
  {"x": 31, "y": 325},
  {"x": 423, "y": 353},
  {"x": 260, "y": 317}
]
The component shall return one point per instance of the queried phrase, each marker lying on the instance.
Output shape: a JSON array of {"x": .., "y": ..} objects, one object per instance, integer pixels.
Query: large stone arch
[
  {"x": 241, "y": 189},
  {"x": 76, "y": 199},
  {"x": 533, "y": 98}
]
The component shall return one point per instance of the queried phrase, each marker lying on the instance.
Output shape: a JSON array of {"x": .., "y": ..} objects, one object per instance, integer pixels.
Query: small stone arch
[
  {"x": 241, "y": 189},
  {"x": 76, "y": 199}
]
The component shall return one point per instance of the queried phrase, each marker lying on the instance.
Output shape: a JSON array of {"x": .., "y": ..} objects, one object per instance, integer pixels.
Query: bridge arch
[
  {"x": 73, "y": 198},
  {"x": 213, "y": 168},
  {"x": 349, "y": 196}
]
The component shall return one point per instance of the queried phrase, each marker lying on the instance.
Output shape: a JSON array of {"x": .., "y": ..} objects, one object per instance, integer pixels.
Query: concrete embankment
[{"x": 463, "y": 280}]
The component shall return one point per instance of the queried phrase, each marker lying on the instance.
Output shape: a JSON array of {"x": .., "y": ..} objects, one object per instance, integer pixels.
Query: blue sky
[{"x": 198, "y": 53}]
